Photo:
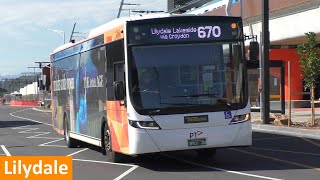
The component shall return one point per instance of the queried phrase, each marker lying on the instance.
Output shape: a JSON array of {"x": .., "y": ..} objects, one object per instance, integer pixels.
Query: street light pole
[
  {"x": 60, "y": 32},
  {"x": 42, "y": 62},
  {"x": 265, "y": 63}
]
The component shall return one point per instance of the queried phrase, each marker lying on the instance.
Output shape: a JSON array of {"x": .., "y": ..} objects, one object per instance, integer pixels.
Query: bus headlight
[
  {"x": 144, "y": 124},
  {"x": 240, "y": 118}
]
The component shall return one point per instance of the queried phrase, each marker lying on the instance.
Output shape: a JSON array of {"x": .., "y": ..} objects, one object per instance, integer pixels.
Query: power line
[{"x": 149, "y": 2}]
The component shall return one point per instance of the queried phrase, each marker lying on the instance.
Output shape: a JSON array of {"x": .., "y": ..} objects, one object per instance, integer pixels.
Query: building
[
  {"x": 289, "y": 21},
  {"x": 184, "y": 5}
]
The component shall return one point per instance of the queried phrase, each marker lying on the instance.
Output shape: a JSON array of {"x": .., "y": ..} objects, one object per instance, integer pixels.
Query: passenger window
[{"x": 119, "y": 71}]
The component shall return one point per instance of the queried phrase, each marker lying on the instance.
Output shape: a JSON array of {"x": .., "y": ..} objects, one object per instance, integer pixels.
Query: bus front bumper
[{"x": 143, "y": 141}]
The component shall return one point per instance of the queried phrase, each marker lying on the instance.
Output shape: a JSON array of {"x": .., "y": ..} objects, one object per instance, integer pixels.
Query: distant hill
[
  {"x": 14, "y": 83},
  {"x": 3, "y": 77}
]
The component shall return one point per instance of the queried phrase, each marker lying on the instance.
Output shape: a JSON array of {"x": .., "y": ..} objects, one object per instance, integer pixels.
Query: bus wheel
[
  {"x": 71, "y": 143},
  {"x": 205, "y": 154},
  {"x": 107, "y": 146}
]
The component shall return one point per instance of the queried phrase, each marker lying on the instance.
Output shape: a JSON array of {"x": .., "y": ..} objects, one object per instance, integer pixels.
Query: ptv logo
[{"x": 195, "y": 134}]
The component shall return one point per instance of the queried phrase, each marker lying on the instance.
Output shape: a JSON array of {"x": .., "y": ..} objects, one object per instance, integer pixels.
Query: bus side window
[
  {"x": 119, "y": 71},
  {"x": 119, "y": 81}
]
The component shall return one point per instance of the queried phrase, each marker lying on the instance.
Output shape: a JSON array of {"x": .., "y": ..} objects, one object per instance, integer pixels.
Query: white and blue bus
[{"x": 148, "y": 85}]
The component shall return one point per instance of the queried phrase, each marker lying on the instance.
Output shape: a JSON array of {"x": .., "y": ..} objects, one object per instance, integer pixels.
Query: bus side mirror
[
  {"x": 118, "y": 89},
  {"x": 254, "y": 51}
]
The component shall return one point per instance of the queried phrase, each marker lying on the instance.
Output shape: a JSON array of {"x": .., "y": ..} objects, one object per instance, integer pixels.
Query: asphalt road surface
[{"x": 26, "y": 132}]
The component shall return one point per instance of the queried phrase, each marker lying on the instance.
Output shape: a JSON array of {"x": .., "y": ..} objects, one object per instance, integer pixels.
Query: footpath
[
  {"x": 42, "y": 110},
  {"x": 301, "y": 115}
]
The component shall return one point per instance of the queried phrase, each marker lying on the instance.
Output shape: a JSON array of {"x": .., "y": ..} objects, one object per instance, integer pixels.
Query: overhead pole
[
  {"x": 71, "y": 36},
  {"x": 241, "y": 9},
  {"x": 120, "y": 8},
  {"x": 265, "y": 63},
  {"x": 122, "y": 4}
]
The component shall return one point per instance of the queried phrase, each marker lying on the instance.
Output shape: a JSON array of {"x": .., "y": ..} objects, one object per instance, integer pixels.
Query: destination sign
[{"x": 161, "y": 33}]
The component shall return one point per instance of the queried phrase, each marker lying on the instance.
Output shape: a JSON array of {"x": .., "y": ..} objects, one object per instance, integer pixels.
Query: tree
[
  {"x": 310, "y": 64},
  {"x": 2, "y": 91}
]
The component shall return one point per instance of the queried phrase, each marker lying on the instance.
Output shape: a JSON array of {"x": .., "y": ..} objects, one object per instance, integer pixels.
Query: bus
[{"x": 148, "y": 85}]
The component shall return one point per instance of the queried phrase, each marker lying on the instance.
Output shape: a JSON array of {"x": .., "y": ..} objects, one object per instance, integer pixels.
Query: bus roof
[
  {"x": 62, "y": 47},
  {"x": 113, "y": 24},
  {"x": 120, "y": 21}
]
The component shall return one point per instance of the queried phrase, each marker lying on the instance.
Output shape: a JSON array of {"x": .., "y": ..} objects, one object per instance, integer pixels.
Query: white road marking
[
  {"x": 285, "y": 151},
  {"x": 5, "y": 150},
  {"x": 46, "y": 144},
  {"x": 11, "y": 114},
  {"x": 38, "y": 135},
  {"x": 28, "y": 130},
  {"x": 261, "y": 139},
  {"x": 126, "y": 173},
  {"x": 133, "y": 167},
  {"x": 21, "y": 110},
  {"x": 278, "y": 160},
  {"x": 223, "y": 170},
  {"x": 308, "y": 140},
  {"x": 103, "y": 162},
  {"x": 78, "y": 152},
  {"x": 21, "y": 127}
]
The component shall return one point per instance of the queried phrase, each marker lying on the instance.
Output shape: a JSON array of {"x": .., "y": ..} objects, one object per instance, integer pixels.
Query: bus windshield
[{"x": 188, "y": 75}]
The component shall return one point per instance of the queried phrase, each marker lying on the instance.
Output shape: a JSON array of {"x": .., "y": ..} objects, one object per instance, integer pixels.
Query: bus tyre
[
  {"x": 205, "y": 154},
  {"x": 107, "y": 146},
  {"x": 71, "y": 143}
]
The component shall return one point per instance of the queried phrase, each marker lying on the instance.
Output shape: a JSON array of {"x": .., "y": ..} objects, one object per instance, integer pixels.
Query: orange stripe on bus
[
  {"x": 113, "y": 34},
  {"x": 118, "y": 124}
]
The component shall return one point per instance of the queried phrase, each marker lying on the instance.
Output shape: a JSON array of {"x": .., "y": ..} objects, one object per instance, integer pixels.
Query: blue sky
[{"x": 23, "y": 24}]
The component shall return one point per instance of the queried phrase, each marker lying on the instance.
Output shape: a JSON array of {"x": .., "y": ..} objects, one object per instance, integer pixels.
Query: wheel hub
[{"x": 107, "y": 140}]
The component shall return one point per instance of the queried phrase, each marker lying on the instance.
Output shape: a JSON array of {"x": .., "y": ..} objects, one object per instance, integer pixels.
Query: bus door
[{"x": 116, "y": 110}]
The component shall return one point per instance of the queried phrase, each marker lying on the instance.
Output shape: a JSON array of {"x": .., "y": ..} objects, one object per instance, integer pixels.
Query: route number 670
[{"x": 208, "y": 31}]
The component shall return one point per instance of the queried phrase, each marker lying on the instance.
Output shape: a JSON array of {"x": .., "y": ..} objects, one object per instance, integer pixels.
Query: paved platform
[{"x": 297, "y": 115}]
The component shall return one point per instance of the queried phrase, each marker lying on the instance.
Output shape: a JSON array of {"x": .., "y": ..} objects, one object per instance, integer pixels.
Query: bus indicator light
[
  {"x": 233, "y": 25},
  {"x": 136, "y": 30}
]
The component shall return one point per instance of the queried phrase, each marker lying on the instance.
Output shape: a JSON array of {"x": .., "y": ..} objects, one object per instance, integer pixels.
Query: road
[{"x": 26, "y": 132}]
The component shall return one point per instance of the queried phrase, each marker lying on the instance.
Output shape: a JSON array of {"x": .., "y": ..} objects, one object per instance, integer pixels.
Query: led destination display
[{"x": 187, "y": 32}]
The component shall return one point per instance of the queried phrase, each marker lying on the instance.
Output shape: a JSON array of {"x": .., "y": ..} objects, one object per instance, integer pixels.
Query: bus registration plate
[{"x": 197, "y": 142}]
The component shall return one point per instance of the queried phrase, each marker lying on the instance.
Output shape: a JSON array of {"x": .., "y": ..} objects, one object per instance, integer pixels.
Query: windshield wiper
[
  {"x": 223, "y": 102},
  {"x": 151, "y": 112},
  {"x": 199, "y": 95}
]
